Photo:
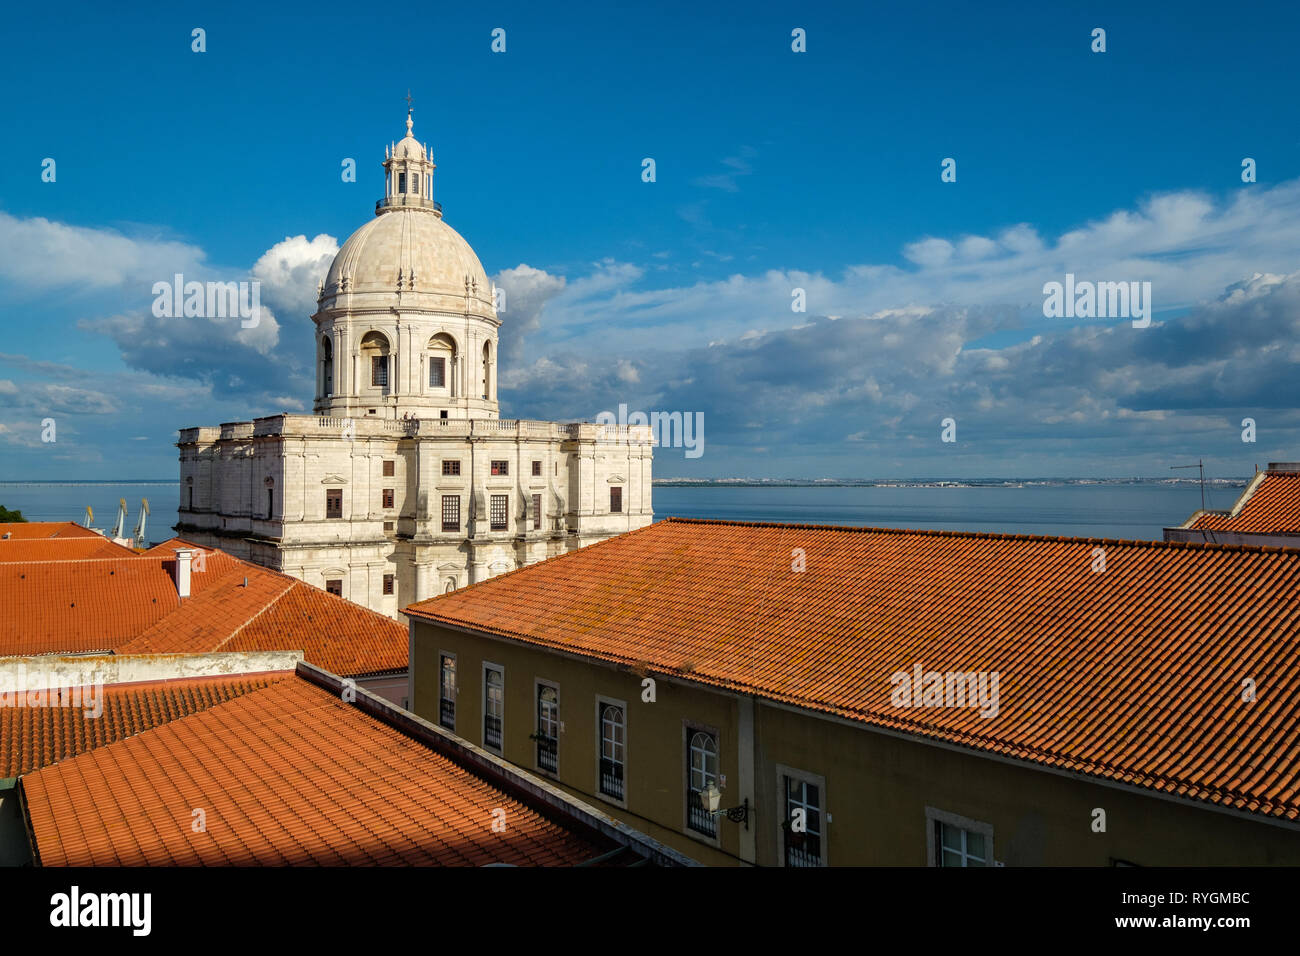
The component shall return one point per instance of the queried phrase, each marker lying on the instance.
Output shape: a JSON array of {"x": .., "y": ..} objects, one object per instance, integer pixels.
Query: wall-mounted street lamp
[{"x": 711, "y": 797}]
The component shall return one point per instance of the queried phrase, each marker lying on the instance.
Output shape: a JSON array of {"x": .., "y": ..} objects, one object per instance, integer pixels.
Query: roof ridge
[{"x": 265, "y": 607}]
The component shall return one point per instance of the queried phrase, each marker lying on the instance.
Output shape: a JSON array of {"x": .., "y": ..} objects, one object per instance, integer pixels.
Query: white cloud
[
  {"x": 290, "y": 271},
  {"x": 42, "y": 254}
]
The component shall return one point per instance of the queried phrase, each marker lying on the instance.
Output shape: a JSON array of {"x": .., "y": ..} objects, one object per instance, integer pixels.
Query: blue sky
[{"x": 775, "y": 170}]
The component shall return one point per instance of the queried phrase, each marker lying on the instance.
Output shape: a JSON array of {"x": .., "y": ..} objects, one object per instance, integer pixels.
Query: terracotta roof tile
[
  {"x": 277, "y": 612},
  {"x": 34, "y": 737},
  {"x": 1134, "y": 674},
  {"x": 1272, "y": 507},
  {"x": 60, "y": 549},
  {"x": 46, "y": 529},
  {"x": 77, "y": 606},
  {"x": 288, "y": 774},
  {"x": 130, "y": 605}
]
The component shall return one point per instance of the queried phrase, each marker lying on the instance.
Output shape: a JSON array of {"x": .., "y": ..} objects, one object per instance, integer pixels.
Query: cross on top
[{"x": 408, "y": 100}]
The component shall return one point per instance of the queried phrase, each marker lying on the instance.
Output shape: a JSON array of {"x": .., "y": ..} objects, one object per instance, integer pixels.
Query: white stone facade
[{"x": 406, "y": 483}]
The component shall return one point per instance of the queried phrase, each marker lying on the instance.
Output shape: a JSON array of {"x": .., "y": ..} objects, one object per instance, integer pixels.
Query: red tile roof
[
  {"x": 34, "y": 737},
  {"x": 46, "y": 529},
  {"x": 1134, "y": 674},
  {"x": 277, "y": 612},
  {"x": 168, "y": 548},
  {"x": 72, "y": 607},
  {"x": 130, "y": 605},
  {"x": 1272, "y": 506},
  {"x": 60, "y": 549},
  {"x": 288, "y": 774}
]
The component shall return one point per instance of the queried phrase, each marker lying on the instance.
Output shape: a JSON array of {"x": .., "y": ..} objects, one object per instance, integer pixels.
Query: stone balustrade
[{"x": 366, "y": 427}]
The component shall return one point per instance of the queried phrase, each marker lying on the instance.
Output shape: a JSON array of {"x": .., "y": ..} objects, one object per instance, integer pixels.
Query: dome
[
  {"x": 408, "y": 148},
  {"x": 406, "y": 320},
  {"x": 410, "y": 246}
]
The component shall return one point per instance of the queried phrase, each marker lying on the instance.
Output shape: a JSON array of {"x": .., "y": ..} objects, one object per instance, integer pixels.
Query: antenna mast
[{"x": 1200, "y": 464}]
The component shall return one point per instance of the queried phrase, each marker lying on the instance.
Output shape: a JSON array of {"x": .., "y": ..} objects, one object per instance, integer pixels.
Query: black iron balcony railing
[
  {"x": 447, "y": 713},
  {"x": 492, "y": 732},
  {"x": 803, "y": 849},
  {"x": 697, "y": 818},
  {"x": 611, "y": 779},
  {"x": 547, "y": 758}
]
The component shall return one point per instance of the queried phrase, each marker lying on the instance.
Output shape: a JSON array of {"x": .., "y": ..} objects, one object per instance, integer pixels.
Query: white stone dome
[
  {"x": 409, "y": 250},
  {"x": 408, "y": 148}
]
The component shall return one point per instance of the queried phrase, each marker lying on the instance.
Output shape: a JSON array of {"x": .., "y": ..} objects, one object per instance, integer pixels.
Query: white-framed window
[
  {"x": 802, "y": 799},
  {"x": 547, "y": 733},
  {"x": 494, "y": 706},
  {"x": 611, "y": 759},
  {"x": 447, "y": 690},
  {"x": 953, "y": 840},
  {"x": 701, "y": 771},
  {"x": 437, "y": 372}
]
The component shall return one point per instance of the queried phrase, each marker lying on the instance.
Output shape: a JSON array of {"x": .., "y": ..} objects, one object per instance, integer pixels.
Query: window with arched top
[
  {"x": 487, "y": 371},
  {"x": 702, "y": 772},
  {"x": 441, "y": 358},
  {"x": 374, "y": 353},
  {"x": 327, "y": 366}
]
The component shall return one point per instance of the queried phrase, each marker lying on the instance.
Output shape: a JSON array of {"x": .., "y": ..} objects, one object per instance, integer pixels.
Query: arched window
[
  {"x": 327, "y": 366},
  {"x": 442, "y": 363},
  {"x": 612, "y": 743},
  {"x": 487, "y": 371},
  {"x": 374, "y": 353},
  {"x": 702, "y": 771}
]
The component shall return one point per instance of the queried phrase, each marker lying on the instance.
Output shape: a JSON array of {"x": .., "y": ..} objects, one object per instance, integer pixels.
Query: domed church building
[{"x": 405, "y": 482}]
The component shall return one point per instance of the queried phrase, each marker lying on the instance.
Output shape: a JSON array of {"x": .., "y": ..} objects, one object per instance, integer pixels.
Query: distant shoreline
[{"x": 777, "y": 482}]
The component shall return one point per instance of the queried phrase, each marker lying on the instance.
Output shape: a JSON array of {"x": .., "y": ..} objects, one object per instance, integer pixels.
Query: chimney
[{"x": 183, "y": 556}]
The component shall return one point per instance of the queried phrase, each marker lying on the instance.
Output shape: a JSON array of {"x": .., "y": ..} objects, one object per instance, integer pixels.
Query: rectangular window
[
  {"x": 388, "y": 469},
  {"x": 447, "y": 691},
  {"x": 335, "y": 587},
  {"x": 388, "y": 584},
  {"x": 494, "y": 705},
  {"x": 388, "y": 526},
  {"x": 379, "y": 370},
  {"x": 537, "y": 469},
  {"x": 191, "y": 491},
  {"x": 957, "y": 841},
  {"x": 548, "y": 728},
  {"x": 613, "y": 737},
  {"x": 270, "y": 503},
  {"x": 333, "y": 502},
  {"x": 451, "y": 466},
  {"x": 437, "y": 372},
  {"x": 388, "y": 498},
  {"x": 500, "y": 507},
  {"x": 802, "y": 827},
  {"x": 500, "y": 468},
  {"x": 701, "y": 773},
  {"x": 615, "y": 501},
  {"x": 956, "y": 846},
  {"x": 401, "y": 182},
  {"x": 451, "y": 512},
  {"x": 537, "y": 512}
]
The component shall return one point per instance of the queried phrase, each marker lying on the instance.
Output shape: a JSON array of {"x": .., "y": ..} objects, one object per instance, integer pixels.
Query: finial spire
[{"x": 409, "y": 123}]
